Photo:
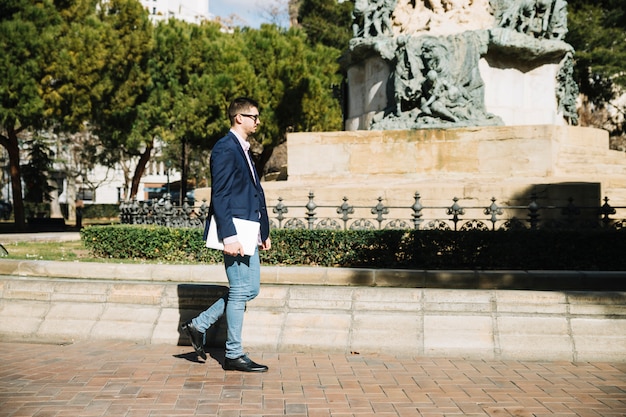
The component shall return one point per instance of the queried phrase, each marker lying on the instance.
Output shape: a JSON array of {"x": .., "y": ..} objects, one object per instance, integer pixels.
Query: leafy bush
[
  {"x": 95, "y": 211},
  {"x": 430, "y": 249},
  {"x": 148, "y": 242},
  {"x": 34, "y": 210},
  {"x": 101, "y": 211}
]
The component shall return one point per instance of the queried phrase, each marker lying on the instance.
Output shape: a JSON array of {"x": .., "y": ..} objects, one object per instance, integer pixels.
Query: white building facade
[
  {"x": 110, "y": 188},
  {"x": 192, "y": 11}
]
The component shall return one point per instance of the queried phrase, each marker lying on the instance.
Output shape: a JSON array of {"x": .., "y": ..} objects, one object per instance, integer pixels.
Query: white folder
[{"x": 247, "y": 234}]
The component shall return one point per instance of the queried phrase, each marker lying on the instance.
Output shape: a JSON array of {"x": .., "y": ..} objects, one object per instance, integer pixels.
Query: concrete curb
[
  {"x": 322, "y": 309},
  {"x": 510, "y": 280}
]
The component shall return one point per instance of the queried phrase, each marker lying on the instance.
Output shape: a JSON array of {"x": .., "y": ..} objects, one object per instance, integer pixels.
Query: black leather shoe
[
  {"x": 243, "y": 364},
  {"x": 196, "y": 337}
]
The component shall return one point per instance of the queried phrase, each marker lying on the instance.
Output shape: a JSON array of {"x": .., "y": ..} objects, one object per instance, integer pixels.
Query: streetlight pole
[
  {"x": 183, "y": 179},
  {"x": 168, "y": 164}
]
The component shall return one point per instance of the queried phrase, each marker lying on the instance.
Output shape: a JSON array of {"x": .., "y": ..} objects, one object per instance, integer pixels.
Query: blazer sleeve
[{"x": 223, "y": 164}]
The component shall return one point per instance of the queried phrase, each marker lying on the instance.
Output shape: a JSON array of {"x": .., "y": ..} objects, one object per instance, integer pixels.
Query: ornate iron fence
[
  {"x": 163, "y": 213},
  {"x": 345, "y": 216}
]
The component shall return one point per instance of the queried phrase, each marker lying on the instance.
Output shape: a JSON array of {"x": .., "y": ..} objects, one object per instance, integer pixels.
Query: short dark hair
[{"x": 240, "y": 104}]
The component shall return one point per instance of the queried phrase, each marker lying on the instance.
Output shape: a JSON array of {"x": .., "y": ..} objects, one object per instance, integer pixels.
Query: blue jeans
[{"x": 244, "y": 279}]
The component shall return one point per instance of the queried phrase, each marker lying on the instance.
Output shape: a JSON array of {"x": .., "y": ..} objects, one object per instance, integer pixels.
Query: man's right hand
[{"x": 233, "y": 249}]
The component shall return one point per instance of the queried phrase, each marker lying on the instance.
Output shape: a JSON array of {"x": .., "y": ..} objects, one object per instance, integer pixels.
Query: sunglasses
[{"x": 254, "y": 117}]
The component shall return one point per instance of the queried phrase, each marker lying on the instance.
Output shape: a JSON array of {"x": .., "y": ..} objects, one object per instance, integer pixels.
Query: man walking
[{"x": 236, "y": 192}]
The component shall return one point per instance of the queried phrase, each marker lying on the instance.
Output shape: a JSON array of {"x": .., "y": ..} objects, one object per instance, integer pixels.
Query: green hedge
[
  {"x": 101, "y": 211},
  {"x": 525, "y": 250},
  {"x": 34, "y": 210},
  {"x": 148, "y": 242}
]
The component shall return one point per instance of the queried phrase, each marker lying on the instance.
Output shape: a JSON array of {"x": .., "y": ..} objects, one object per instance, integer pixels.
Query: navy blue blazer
[{"x": 234, "y": 191}]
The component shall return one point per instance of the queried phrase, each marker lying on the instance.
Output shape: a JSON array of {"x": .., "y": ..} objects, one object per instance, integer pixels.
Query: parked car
[
  {"x": 175, "y": 196},
  {"x": 5, "y": 209},
  {"x": 160, "y": 193}
]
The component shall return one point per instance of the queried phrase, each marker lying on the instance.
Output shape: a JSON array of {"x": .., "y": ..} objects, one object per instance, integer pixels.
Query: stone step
[{"x": 315, "y": 309}]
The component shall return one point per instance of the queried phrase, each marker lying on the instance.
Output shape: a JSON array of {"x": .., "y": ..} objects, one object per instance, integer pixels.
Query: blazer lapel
[{"x": 254, "y": 176}]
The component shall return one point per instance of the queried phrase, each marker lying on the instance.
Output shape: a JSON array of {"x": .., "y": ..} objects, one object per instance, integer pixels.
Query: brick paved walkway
[{"x": 123, "y": 379}]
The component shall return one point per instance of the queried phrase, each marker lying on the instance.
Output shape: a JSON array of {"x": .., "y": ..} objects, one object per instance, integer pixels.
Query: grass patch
[
  {"x": 69, "y": 251},
  {"x": 49, "y": 251}
]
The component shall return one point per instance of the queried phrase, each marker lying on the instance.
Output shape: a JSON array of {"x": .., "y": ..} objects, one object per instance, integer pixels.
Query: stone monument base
[
  {"x": 472, "y": 164},
  {"x": 506, "y": 162}
]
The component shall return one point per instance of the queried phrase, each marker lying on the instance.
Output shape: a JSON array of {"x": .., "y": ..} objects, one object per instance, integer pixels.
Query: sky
[{"x": 249, "y": 11}]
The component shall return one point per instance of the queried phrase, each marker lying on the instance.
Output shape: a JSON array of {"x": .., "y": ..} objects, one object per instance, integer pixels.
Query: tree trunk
[
  {"x": 183, "y": 178},
  {"x": 139, "y": 170},
  {"x": 11, "y": 144},
  {"x": 70, "y": 193},
  {"x": 263, "y": 159}
]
